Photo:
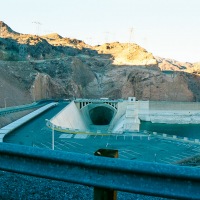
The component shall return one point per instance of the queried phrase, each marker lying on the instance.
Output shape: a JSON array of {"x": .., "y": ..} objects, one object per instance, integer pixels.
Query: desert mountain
[
  {"x": 6, "y": 31},
  {"x": 51, "y": 66}
]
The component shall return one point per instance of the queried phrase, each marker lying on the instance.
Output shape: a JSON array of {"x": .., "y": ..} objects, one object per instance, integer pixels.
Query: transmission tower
[
  {"x": 0, "y": 29},
  {"x": 131, "y": 33},
  {"x": 38, "y": 24},
  {"x": 130, "y": 36},
  {"x": 89, "y": 40},
  {"x": 145, "y": 42},
  {"x": 106, "y": 36}
]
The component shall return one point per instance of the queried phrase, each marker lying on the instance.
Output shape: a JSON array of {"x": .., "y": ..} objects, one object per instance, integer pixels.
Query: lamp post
[
  {"x": 52, "y": 126},
  {"x": 52, "y": 136}
]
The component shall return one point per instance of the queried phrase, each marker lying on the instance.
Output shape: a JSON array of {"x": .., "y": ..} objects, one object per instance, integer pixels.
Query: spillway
[
  {"x": 98, "y": 115},
  {"x": 119, "y": 116}
]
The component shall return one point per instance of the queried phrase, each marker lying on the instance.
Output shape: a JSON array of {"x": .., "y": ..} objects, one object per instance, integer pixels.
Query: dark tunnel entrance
[{"x": 101, "y": 115}]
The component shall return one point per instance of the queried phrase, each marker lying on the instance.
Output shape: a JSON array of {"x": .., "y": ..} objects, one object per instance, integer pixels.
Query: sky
[{"x": 169, "y": 29}]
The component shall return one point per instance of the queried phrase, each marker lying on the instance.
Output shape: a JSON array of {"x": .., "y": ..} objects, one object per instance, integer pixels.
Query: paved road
[
  {"x": 35, "y": 129},
  {"x": 133, "y": 147}
]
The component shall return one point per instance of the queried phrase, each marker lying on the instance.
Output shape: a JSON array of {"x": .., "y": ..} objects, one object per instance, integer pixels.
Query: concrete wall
[
  {"x": 166, "y": 105},
  {"x": 70, "y": 117},
  {"x": 129, "y": 114},
  {"x": 169, "y": 112},
  {"x": 143, "y": 110},
  {"x": 174, "y": 112}
]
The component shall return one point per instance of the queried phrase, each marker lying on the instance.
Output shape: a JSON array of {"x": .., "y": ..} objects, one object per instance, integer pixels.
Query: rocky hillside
[{"x": 40, "y": 67}]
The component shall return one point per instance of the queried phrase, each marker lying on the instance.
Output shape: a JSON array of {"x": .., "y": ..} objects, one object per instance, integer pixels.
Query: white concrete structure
[
  {"x": 99, "y": 115},
  {"x": 119, "y": 116}
]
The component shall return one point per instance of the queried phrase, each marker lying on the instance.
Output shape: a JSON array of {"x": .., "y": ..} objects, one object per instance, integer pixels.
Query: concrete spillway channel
[
  {"x": 12, "y": 126},
  {"x": 121, "y": 116},
  {"x": 98, "y": 116}
]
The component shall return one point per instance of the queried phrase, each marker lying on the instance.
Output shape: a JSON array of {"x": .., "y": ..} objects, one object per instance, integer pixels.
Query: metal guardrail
[
  {"x": 4, "y": 111},
  {"x": 118, "y": 174},
  {"x": 40, "y": 103},
  {"x": 16, "y": 108}
]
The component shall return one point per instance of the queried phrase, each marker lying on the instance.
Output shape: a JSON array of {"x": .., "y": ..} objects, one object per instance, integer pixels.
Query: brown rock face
[
  {"x": 127, "y": 54},
  {"x": 143, "y": 84},
  {"x": 173, "y": 65},
  {"x": 50, "y": 66}
]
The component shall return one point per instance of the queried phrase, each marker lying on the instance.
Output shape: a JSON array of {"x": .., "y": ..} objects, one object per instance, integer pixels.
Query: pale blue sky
[{"x": 169, "y": 29}]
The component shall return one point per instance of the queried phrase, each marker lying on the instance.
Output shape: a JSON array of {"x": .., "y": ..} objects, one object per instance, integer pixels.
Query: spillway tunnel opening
[{"x": 101, "y": 115}]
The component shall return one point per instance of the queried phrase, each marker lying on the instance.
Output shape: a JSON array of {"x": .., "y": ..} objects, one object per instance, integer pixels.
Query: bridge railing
[
  {"x": 118, "y": 174},
  {"x": 99, "y": 100}
]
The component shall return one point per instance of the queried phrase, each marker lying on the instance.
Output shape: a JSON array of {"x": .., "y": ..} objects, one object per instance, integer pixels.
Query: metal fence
[{"x": 118, "y": 174}]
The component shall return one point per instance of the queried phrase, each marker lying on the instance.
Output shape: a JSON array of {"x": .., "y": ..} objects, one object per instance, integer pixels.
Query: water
[{"x": 183, "y": 130}]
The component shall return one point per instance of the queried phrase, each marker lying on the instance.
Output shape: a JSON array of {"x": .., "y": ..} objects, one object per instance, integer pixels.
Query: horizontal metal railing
[
  {"x": 118, "y": 174},
  {"x": 40, "y": 103}
]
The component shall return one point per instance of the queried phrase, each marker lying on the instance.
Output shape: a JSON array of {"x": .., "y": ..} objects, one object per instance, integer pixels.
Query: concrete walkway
[{"x": 12, "y": 126}]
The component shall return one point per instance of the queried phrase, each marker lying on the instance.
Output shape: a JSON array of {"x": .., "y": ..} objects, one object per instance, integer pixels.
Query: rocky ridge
[{"x": 50, "y": 66}]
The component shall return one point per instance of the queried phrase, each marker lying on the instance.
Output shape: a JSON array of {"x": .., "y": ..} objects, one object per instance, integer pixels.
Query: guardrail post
[{"x": 102, "y": 193}]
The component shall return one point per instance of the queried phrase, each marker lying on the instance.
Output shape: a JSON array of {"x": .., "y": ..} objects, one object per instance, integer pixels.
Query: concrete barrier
[
  {"x": 196, "y": 140},
  {"x": 164, "y": 135}
]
